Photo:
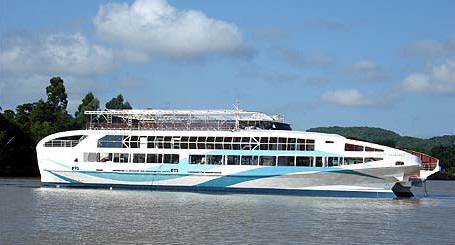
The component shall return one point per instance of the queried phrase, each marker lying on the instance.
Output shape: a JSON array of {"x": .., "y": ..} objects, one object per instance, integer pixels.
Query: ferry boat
[{"x": 227, "y": 151}]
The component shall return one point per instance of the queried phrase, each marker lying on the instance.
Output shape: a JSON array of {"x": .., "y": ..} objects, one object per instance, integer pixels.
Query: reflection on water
[{"x": 33, "y": 215}]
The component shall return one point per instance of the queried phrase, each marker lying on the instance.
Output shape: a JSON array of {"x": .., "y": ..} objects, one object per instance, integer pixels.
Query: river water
[{"x": 30, "y": 214}]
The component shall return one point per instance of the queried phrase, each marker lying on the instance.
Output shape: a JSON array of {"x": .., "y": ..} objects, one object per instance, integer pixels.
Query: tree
[
  {"x": 89, "y": 103},
  {"x": 118, "y": 103},
  {"x": 445, "y": 154},
  {"x": 56, "y": 94}
]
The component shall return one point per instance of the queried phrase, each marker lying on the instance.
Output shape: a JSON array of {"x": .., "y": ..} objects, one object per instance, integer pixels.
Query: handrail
[
  {"x": 429, "y": 163},
  {"x": 61, "y": 143}
]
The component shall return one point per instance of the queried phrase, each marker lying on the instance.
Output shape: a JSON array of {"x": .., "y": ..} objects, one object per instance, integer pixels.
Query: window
[
  {"x": 214, "y": 159},
  {"x": 273, "y": 143},
  {"x": 124, "y": 157},
  {"x": 134, "y": 142},
  {"x": 116, "y": 157},
  {"x": 236, "y": 143},
  {"x": 291, "y": 144},
  {"x": 329, "y": 142},
  {"x": 105, "y": 157},
  {"x": 91, "y": 157},
  {"x": 233, "y": 160},
  {"x": 138, "y": 158},
  {"x": 352, "y": 147},
  {"x": 255, "y": 143},
  {"x": 68, "y": 141},
  {"x": 282, "y": 144},
  {"x": 121, "y": 157},
  {"x": 201, "y": 142},
  {"x": 227, "y": 143},
  {"x": 267, "y": 160},
  {"x": 210, "y": 143},
  {"x": 193, "y": 142},
  {"x": 249, "y": 160},
  {"x": 184, "y": 142},
  {"x": 304, "y": 161},
  {"x": 171, "y": 158},
  {"x": 285, "y": 161},
  {"x": 333, "y": 161},
  {"x": 151, "y": 142},
  {"x": 159, "y": 142},
  {"x": 264, "y": 143},
  {"x": 309, "y": 145},
  {"x": 111, "y": 141},
  {"x": 167, "y": 142},
  {"x": 219, "y": 143},
  {"x": 245, "y": 143},
  {"x": 154, "y": 158},
  {"x": 318, "y": 162},
  {"x": 372, "y": 159},
  {"x": 372, "y": 149},
  {"x": 143, "y": 142},
  {"x": 197, "y": 159},
  {"x": 352, "y": 160},
  {"x": 300, "y": 144}
]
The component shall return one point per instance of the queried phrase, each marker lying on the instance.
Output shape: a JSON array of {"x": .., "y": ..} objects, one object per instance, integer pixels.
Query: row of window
[
  {"x": 304, "y": 161},
  {"x": 352, "y": 147},
  {"x": 136, "y": 157},
  {"x": 204, "y": 142}
]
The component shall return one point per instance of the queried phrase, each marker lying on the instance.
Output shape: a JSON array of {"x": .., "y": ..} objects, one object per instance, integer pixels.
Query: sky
[{"x": 387, "y": 64}]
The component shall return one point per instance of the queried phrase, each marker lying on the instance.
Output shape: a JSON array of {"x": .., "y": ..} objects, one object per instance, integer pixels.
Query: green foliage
[
  {"x": 21, "y": 130},
  {"x": 386, "y": 142},
  {"x": 451, "y": 172},
  {"x": 445, "y": 154},
  {"x": 118, "y": 103},
  {"x": 89, "y": 103},
  {"x": 56, "y": 94},
  {"x": 17, "y": 150},
  {"x": 362, "y": 133}
]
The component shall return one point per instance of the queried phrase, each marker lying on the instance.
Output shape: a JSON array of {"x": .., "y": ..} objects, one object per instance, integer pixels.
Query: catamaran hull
[{"x": 372, "y": 183}]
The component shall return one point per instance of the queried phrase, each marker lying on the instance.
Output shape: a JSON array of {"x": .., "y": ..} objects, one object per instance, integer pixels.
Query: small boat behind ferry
[{"x": 224, "y": 150}]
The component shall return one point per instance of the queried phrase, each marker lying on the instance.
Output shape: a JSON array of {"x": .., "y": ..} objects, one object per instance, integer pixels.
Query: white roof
[{"x": 159, "y": 115}]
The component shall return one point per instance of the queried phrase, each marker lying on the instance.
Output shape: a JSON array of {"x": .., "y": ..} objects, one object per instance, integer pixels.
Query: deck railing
[
  {"x": 162, "y": 126},
  {"x": 62, "y": 143},
  {"x": 429, "y": 164}
]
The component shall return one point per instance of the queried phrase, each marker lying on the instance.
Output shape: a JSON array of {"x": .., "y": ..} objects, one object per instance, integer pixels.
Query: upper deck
[{"x": 184, "y": 120}]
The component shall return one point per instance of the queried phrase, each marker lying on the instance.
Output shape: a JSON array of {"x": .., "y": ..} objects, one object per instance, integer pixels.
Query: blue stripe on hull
[{"x": 321, "y": 193}]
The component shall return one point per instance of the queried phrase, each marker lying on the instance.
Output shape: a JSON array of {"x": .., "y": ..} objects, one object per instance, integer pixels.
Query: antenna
[
  {"x": 237, "y": 105},
  {"x": 237, "y": 118}
]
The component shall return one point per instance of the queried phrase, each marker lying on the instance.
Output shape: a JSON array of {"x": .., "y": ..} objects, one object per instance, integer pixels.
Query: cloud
[
  {"x": 439, "y": 79},
  {"x": 298, "y": 59},
  {"x": 365, "y": 70},
  {"x": 431, "y": 49},
  {"x": 54, "y": 53},
  {"x": 157, "y": 28},
  {"x": 349, "y": 97},
  {"x": 32, "y": 87}
]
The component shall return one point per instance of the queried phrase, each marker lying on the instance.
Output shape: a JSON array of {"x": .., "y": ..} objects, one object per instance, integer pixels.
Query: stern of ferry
[{"x": 429, "y": 166}]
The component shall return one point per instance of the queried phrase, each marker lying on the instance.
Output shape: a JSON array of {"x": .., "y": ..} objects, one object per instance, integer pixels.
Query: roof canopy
[{"x": 187, "y": 115}]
